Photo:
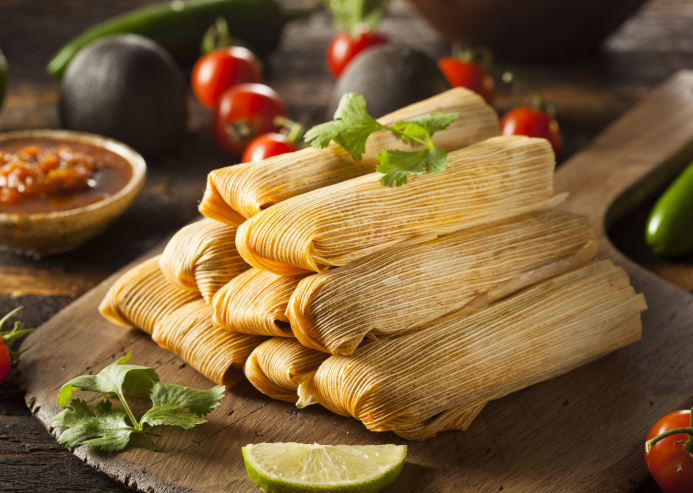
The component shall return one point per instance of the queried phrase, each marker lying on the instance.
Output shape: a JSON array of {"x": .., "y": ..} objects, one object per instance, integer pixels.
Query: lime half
[{"x": 299, "y": 467}]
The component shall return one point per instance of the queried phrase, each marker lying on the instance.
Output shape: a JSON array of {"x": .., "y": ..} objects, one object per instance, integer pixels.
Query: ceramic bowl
[
  {"x": 536, "y": 30},
  {"x": 41, "y": 234}
]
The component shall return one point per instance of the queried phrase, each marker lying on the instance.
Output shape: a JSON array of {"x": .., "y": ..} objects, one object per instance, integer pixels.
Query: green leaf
[
  {"x": 415, "y": 134},
  {"x": 436, "y": 122},
  {"x": 396, "y": 165},
  {"x": 117, "y": 378},
  {"x": 170, "y": 400},
  {"x": 351, "y": 127},
  {"x": 436, "y": 160},
  {"x": 103, "y": 427},
  {"x": 352, "y": 15}
]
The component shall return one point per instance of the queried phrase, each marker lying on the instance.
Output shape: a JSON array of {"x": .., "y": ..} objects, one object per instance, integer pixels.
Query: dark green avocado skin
[
  {"x": 128, "y": 88},
  {"x": 390, "y": 77}
]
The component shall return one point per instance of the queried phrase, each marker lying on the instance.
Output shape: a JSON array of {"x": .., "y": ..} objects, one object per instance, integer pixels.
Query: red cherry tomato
[
  {"x": 244, "y": 112},
  {"x": 343, "y": 48},
  {"x": 4, "y": 361},
  {"x": 524, "y": 120},
  {"x": 461, "y": 73},
  {"x": 267, "y": 145},
  {"x": 670, "y": 465},
  {"x": 223, "y": 68}
]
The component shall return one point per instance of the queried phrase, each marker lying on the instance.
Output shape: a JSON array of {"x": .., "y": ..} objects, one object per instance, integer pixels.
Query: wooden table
[{"x": 588, "y": 95}]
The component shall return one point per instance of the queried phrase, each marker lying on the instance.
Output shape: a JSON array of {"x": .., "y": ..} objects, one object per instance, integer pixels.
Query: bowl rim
[{"x": 136, "y": 161}]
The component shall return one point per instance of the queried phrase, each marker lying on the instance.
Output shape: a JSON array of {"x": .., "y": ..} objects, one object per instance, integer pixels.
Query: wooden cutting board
[{"x": 583, "y": 431}]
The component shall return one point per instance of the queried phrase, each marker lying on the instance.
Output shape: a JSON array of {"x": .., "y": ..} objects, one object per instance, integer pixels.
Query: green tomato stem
[{"x": 676, "y": 431}]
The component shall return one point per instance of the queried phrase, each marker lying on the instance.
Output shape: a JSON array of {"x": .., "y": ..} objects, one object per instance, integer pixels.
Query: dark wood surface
[{"x": 588, "y": 94}]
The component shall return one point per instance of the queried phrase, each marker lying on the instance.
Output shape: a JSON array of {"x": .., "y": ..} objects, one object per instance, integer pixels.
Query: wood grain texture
[{"x": 566, "y": 434}]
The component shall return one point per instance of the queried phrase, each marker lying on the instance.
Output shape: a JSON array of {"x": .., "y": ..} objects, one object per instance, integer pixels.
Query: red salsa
[{"x": 46, "y": 175}]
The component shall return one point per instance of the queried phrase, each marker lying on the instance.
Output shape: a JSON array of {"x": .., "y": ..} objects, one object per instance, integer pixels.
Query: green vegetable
[
  {"x": 354, "y": 15},
  {"x": 389, "y": 76},
  {"x": 141, "y": 102},
  {"x": 179, "y": 26},
  {"x": 669, "y": 231},
  {"x": 353, "y": 125},
  {"x": 3, "y": 76},
  {"x": 8, "y": 337},
  {"x": 110, "y": 428}
]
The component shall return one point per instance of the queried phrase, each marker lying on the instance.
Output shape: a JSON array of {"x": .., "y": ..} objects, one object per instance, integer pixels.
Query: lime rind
[{"x": 302, "y": 468}]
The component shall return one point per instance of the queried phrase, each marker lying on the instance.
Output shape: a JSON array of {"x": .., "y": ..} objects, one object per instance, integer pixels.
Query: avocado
[
  {"x": 126, "y": 87},
  {"x": 390, "y": 77}
]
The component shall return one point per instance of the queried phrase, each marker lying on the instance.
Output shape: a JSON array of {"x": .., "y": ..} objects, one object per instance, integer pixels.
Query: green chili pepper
[
  {"x": 3, "y": 76},
  {"x": 179, "y": 27},
  {"x": 669, "y": 231}
]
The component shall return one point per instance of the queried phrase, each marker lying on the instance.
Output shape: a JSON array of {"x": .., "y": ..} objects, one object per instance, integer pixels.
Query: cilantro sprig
[
  {"x": 354, "y": 15},
  {"x": 353, "y": 125},
  {"x": 111, "y": 429}
]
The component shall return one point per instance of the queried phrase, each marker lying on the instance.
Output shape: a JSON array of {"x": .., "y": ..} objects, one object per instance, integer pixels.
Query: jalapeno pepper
[
  {"x": 669, "y": 231},
  {"x": 179, "y": 27}
]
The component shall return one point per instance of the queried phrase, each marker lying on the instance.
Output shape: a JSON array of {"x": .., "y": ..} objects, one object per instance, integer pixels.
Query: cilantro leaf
[
  {"x": 436, "y": 160},
  {"x": 351, "y": 127},
  {"x": 169, "y": 399},
  {"x": 396, "y": 165},
  {"x": 103, "y": 427},
  {"x": 435, "y": 122},
  {"x": 352, "y": 15},
  {"x": 107, "y": 428},
  {"x": 412, "y": 133},
  {"x": 117, "y": 378}
]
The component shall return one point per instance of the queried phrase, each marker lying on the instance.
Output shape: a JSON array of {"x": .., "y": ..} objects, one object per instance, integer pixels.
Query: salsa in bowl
[{"x": 59, "y": 188}]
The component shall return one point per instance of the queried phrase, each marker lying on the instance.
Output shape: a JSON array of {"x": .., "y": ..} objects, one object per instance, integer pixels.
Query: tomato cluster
[{"x": 244, "y": 111}]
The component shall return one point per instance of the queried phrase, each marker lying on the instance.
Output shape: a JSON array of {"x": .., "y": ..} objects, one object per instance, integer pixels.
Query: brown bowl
[
  {"x": 41, "y": 234},
  {"x": 528, "y": 30}
]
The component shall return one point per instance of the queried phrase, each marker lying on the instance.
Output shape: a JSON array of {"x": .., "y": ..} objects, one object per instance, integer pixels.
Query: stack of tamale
[{"x": 407, "y": 308}]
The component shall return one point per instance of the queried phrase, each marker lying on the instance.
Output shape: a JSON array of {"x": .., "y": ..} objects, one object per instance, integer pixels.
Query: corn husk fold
[
  {"x": 254, "y": 302},
  {"x": 537, "y": 334},
  {"x": 496, "y": 179},
  {"x": 142, "y": 296},
  {"x": 278, "y": 365},
  {"x": 392, "y": 292},
  {"x": 213, "y": 351},
  {"x": 202, "y": 257},
  {"x": 239, "y": 192}
]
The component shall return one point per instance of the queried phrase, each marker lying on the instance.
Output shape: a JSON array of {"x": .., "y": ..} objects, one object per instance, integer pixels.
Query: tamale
[
  {"x": 496, "y": 179},
  {"x": 424, "y": 382},
  {"x": 254, "y": 302},
  {"x": 278, "y": 365},
  {"x": 202, "y": 256},
  {"x": 215, "y": 352},
  {"x": 142, "y": 296},
  {"x": 402, "y": 289},
  {"x": 241, "y": 191}
]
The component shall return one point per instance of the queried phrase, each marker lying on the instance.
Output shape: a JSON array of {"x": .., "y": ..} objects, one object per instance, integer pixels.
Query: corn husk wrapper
[
  {"x": 142, "y": 296},
  {"x": 213, "y": 351},
  {"x": 239, "y": 192},
  {"x": 202, "y": 257},
  {"x": 278, "y": 365},
  {"x": 392, "y": 292},
  {"x": 490, "y": 181},
  {"x": 254, "y": 302},
  {"x": 423, "y": 382}
]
